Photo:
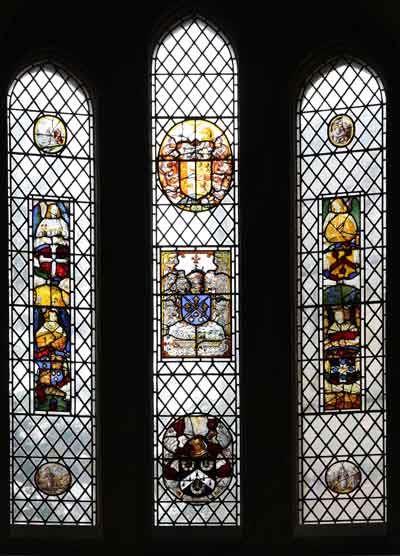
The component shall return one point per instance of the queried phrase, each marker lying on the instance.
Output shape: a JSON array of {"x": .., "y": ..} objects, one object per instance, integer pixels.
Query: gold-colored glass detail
[
  {"x": 195, "y": 165},
  {"x": 49, "y": 134},
  {"x": 341, "y": 130}
]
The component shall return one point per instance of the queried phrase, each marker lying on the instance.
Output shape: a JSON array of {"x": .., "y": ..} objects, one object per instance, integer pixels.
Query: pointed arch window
[
  {"x": 341, "y": 253},
  {"x": 52, "y": 299},
  {"x": 195, "y": 277}
]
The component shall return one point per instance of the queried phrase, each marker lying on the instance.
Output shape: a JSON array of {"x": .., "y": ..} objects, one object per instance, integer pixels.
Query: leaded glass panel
[
  {"x": 195, "y": 278},
  {"x": 341, "y": 250},
  {"x": 52, "y": 299}
]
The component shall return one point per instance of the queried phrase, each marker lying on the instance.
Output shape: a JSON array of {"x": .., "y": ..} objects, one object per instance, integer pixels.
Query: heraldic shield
[{"x": 196, "y": 308}]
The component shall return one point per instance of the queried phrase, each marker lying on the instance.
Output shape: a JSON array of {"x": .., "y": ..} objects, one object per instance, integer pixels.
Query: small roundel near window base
[
  {"x": 343, "y": 477},
  {"x": 53, "y": 479},
  {"x": 195, "y": 165},
  {"x": 197, "y": 458},
  {"x": 49, "y": 134},
  {"x": 341, "y": 130}
]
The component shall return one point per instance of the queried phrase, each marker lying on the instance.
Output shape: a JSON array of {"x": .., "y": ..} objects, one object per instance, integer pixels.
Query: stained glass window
[
  {"x": 52, "y": 299},
  {"x": 195, "y": 277},
  {"x": 341, "y": 250}
]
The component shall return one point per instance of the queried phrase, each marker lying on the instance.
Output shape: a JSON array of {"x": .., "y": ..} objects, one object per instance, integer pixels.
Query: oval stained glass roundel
[
  {"x": 49, "y": 134},
  {"x": 53, "y": 479},
  {"x": 341, "y": 130},
  {"x": 195, "y": 165},
  {"x": 197, "y": 458},
  {"x": 343, "y": 477}
]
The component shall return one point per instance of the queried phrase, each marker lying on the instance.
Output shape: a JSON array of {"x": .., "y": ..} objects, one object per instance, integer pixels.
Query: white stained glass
[
  {"x": 195, "y": 239},
  {"x": 341, "y": 405},
  {"x": 52, "y": 443}
]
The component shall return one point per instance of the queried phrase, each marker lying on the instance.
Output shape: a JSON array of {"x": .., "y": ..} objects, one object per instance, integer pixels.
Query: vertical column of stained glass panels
[
  {"x": 51, "y": 291},
  {"x": 341, "y": 225},
  {"x": 195, "y": 278}
]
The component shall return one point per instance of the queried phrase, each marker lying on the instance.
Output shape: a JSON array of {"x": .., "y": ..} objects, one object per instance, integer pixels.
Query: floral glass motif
[
  {"x": 196, "y": 303},
  {"x": 195, "y": 278},
  {"x": 197, "y": 464},
  {"x": 53, "y": 479},
  {"x": 52, "y": 299},
  {"x": 341, "y": 130},
  {"x": 195, "y": 165},
  {"x": 51, "y": 305},
  {"x": 341, "y": 295},
  {"x": 343, "y": 477},
  {"x": 50, "y": 134},
  {"x": 341, "y": 303}
]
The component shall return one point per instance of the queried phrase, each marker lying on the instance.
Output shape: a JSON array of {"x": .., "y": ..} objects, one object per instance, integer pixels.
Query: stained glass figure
[
  {"x": 51, "y": 314},
  {"x": 341, "y": 303},
  {"x": 196, "y": 303},
  {"x": 195, "y": 165},
  {"x": 197, "y": 459},
  {"x": 341, "y": 256},
  {"x": 53, "y": 479},
  {"x": 343, "y": 477},
  {"x": 52, "y": 299},
  {"x": 341, "y": 130},
  {"x": 49, "y": 134},
  {"x": 195, "y": 278}
]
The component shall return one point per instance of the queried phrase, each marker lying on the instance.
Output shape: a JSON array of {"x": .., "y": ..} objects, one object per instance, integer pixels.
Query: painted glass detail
[
  {"x": 53, "y": 479},
  {"x": 341, "y": 295},
  {"x": 343, "y": 477},
  {"x": 52, "y": 299},
  {"x": 341, "y": 130},
  {"x": 195, "y": 278},
  {"x": 51, "y": 305},
  {"x": 195, "y": 165},
  {"x": 341, "y": 302},
  {"x": 50, "y": 134},
  {"x": 197, "y": 453},
  {"x": 196, "y": 303}
]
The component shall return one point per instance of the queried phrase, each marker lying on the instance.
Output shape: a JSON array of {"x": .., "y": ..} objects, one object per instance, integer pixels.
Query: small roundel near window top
[
  {"x": 195, "y": 165},
  {"x": 341, "y": 130},
  {"x": 53, "y": 479},
  {"x": 343, "y": 477},
  {"x": 49, "y": 134}
]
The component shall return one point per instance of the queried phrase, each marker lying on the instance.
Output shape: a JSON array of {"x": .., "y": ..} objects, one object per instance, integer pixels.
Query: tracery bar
[
  {"x": 195, "y": 278},
  {"x": 341, "y": 294},
  {"x": 52, "y": 299}
]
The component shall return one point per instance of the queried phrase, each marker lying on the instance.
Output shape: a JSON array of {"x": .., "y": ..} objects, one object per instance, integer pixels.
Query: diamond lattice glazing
[
  {"x": 344, "y": 166},
  {"x": 49, "y": 177},
  {"x": 194, "y": 80}
]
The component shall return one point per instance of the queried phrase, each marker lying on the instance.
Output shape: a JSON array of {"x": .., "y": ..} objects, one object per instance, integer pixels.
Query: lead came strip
[{"x": 195, "y": 278}]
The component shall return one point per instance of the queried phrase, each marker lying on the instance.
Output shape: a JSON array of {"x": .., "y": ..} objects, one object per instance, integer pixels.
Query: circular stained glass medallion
[
  {"x": 341, "y": 130},
  {"x": 343, "y": 477},
  {"x": 197, "y": 458},
  {"x": 49, "y": 134},
  {"x": 195, "y": 165},
  {"x": 53, "y": 479}
]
